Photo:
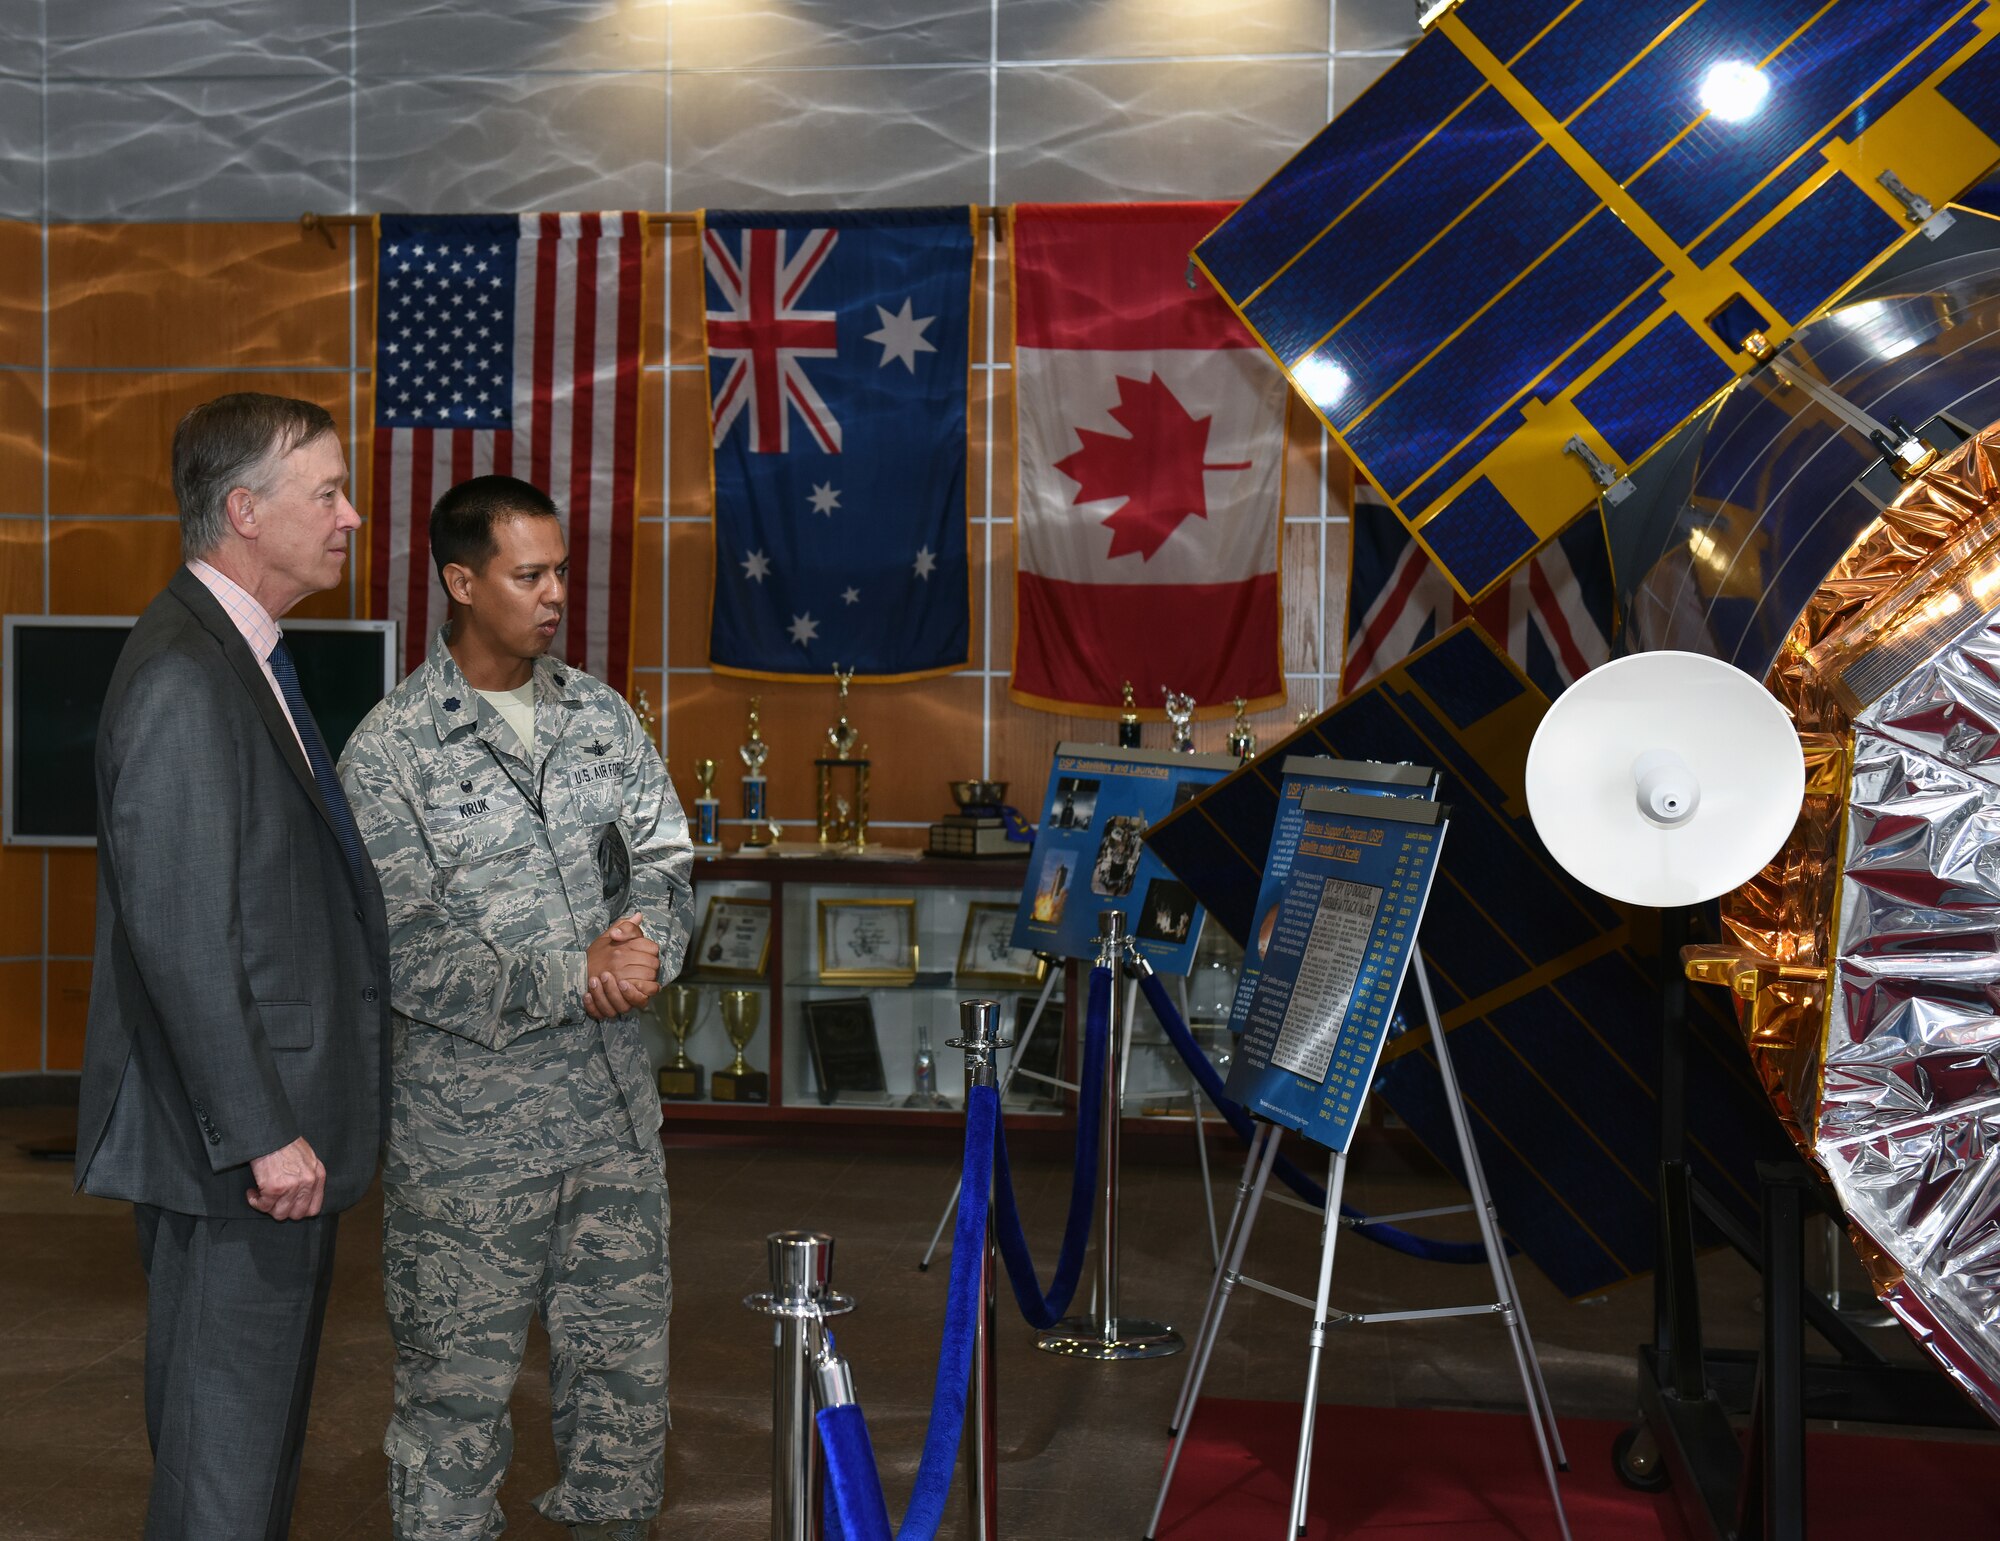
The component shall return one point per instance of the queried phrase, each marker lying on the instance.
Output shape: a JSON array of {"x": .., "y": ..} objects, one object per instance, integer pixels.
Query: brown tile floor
[{"x": 1080, "y": 1444}]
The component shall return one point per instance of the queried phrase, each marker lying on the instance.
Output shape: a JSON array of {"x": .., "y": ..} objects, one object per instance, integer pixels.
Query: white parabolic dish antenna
[{"x": 1665, "y": 778}]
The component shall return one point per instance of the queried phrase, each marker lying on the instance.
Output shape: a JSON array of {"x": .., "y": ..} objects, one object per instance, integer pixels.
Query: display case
[{"x": 847, "y": 964}]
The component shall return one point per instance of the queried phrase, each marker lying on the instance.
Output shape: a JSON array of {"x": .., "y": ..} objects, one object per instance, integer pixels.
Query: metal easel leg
[
  {"x": 1532, "y": 1388},
  {"x": 1200, "y": 1142},
  {"x": 1244, "y": 1185},
  {"x": 1263, "y": 1152},
  {"x": 1336, "y": 1180},
  {"x": 1013, "y": 1060}
]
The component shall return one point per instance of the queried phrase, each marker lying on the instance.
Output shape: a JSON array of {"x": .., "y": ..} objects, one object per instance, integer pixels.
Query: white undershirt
[{"x": 517, "y": 707}]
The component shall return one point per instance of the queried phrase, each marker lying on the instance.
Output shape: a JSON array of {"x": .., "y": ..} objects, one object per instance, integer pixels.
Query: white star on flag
[
  {"x": 825, "y": 499},
  {"x": 850, "y": 596},
  {"x": 902, "y": 337},
  {"x": 926, "y": 561},
  {"x": 804, "y": 628},
  {"x": 756, "y": 566}
]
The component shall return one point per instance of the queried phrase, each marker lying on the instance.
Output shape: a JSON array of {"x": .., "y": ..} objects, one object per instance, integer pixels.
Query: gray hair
[{"x": 234, "y": 441}]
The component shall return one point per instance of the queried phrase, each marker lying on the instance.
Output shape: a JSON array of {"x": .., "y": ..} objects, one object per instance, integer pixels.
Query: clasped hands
[{"x": 623, "y": 970}]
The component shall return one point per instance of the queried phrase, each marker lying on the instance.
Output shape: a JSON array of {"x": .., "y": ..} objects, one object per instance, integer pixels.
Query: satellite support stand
[{"x": 1506, "y": 1302}]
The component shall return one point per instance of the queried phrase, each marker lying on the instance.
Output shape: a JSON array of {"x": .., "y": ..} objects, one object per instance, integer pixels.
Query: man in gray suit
[{"x": 234, "y": 1073}]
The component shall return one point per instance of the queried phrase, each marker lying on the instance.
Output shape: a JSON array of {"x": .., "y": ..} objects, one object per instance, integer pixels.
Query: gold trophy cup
[
  {"x": 741, "y": 1010},
  {"x": 681, "y": 1080}
]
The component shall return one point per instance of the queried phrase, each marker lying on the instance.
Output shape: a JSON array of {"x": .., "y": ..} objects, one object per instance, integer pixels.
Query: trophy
[
  {"x": 739, "y": 1083},
  {"x": 1180, "y": 712},
  {"x": 923, "y": 1076},
  {"x": 754, "y": 752},
  {"x": 681, "y": 1081},
  {"x": 707, "y": 811},
  {"x": 648, "y": 718},
  {"x": 1242, "y": 737},
  {"x": 843, "y": 821},
  {"x": 1128, "y": 721}
]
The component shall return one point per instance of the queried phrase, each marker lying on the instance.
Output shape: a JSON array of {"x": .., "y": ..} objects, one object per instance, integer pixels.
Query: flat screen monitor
[{"x": 58, "y": 667}]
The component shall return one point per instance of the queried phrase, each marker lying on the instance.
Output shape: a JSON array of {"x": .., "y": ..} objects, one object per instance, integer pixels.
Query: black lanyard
[{"x": 532, "y": 799}]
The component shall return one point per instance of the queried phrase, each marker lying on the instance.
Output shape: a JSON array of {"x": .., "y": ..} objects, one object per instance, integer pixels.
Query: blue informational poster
[
  {"x": 1334, "y": 960},
  {"x": 1089, "y": 856},
  {"x": 1299, "y": 775}
]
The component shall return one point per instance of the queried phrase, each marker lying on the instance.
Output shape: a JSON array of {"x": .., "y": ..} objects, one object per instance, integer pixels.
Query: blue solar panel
[
  {"x": 1341, "y": 268},
  {"x": 1644, "y": 394},
  {"x": 1479, "y": 536},
  {"x": 1433, "y": 80},
  {"x": 1501, "y": 353},
  {"x": 1802, "y": 260},
  {"x": 1420, "y": 341}
]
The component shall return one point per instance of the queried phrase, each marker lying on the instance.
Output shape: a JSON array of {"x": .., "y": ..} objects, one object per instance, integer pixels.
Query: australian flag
[{"x": 837, "y": 357}]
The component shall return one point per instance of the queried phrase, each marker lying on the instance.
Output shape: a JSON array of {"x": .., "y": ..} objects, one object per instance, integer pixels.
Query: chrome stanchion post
[
  {"x": 979, "y": 1037},
  {"x": 1109, "y": 1335},
  {"x": 799, "y": 1298}
]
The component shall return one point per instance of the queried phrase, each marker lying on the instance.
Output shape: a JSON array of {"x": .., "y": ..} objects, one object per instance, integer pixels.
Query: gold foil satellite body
[{"x": 1863, "y": 958}]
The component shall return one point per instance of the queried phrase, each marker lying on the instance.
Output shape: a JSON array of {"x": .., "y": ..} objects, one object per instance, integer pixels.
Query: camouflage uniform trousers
[{"x": 465, "y": 1267}]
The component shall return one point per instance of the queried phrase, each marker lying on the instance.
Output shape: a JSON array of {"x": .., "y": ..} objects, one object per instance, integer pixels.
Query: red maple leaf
[{"x": 1157, "y": 470}]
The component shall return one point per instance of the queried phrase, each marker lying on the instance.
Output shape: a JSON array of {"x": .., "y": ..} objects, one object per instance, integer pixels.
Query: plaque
[
  {"x": 846, "y": 1055},
  {"x": 1042, "y": 1061},
  {"x": 987, "y": 954},
  {"x": 868, "y": 941},
  {"x": 735, "y": 940}
]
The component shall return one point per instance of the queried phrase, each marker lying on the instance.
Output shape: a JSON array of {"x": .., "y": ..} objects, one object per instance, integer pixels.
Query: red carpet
[{"x": 1418, "y": 1475}]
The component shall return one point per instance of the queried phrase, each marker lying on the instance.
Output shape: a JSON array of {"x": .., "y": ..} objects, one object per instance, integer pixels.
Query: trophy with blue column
[{"x": 755, "y": 810}]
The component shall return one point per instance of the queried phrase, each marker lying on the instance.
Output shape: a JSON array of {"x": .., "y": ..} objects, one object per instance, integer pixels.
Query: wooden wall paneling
[
  {"x": 20, "y": 294},
  {"x": 68, "y": 1008},
  {"x": 21, "y": 1016},
  {"x": 21, "y": 447},
  {"x": 223, "y": 296}
]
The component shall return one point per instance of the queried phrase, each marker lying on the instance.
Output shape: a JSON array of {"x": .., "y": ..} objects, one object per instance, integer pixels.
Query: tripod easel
[{"x": 1262, "y": 1155}]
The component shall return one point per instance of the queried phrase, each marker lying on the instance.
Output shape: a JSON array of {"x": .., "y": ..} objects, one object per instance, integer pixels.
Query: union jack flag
[
  {"x": 764, "y": 333},
  {"x": 1553, "y": 615}
]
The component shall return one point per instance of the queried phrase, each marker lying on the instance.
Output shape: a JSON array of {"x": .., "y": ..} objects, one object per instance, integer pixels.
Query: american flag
[
  {"x": 509, "y": 344},
  {"x": 1553, "y": 615},
  {"x": 762, "y": 333}
]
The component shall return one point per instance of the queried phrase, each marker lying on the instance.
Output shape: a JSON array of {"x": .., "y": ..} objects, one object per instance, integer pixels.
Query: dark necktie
[{"x": 321, "y": 763}]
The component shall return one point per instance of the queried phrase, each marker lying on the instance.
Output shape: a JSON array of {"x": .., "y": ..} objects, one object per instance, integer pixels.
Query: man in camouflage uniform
[{"x": 537, "y": 885}]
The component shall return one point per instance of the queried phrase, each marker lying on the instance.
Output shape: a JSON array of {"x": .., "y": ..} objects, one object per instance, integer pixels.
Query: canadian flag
[{"x": 1152, "y": 440}]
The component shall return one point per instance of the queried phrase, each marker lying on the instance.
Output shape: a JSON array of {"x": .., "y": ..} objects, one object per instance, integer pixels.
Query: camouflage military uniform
[{"x": 523, "y": 1170}]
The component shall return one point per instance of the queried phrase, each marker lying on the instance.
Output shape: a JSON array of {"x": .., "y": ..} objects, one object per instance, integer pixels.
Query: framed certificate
[
  {"x": 987, "y": 954},
  {"x": 846, "y": 1055},
  {"x": 735, "y": 939},
  {"x": 868, "y": 941}
]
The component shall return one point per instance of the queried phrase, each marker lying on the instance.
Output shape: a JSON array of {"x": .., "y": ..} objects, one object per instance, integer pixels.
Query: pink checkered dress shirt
[{"x": 259, "y": 630}]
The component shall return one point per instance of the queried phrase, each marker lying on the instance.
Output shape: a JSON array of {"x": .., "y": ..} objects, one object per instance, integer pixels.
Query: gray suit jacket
[{"x": 240, "y": 994}]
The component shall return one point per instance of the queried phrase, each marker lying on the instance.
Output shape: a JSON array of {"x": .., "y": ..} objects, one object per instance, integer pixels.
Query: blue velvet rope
[
  {"x": 1046, "y": 1310},
  {"x": 856, "y": 1490},
  {"x": 1393, "y": 1237}
]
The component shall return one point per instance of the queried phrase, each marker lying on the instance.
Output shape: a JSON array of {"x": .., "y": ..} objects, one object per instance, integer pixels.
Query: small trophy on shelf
[
  {"x": 1128, "y": 721},
  {"x": 754, "y": 752},
  {"x": 923, "y": 1076},
  {"x": 739, "y": 1083},
  {"x": 681, "y": 1080},
  {"x": 642, "y": 708},
  {"x": 707, "y": 811},
  {"x": 1242, "y": 737},
  {"x": 1180, "y": 712},
  {"x": 843, "y": 821}
]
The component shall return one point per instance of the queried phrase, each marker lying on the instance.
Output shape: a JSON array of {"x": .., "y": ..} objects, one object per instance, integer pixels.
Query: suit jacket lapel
[{"x": 193, "y": 593}]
